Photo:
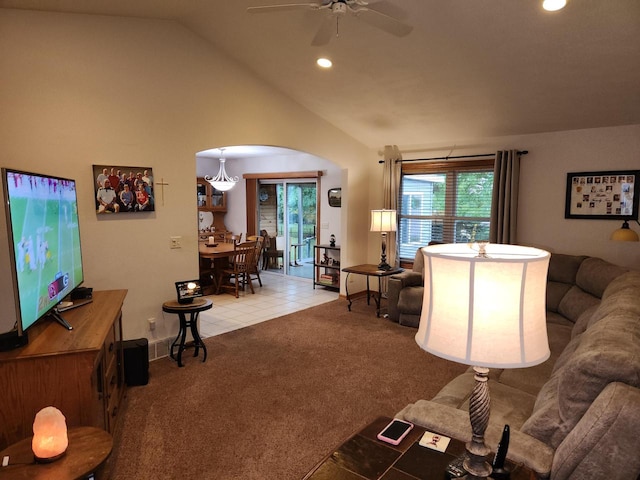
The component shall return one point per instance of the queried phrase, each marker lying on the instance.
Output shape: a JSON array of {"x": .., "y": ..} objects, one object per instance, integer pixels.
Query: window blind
[{"x": 444, "y": 201}]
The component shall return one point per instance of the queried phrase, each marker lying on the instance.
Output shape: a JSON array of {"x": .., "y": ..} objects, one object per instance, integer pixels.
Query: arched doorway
[{"x": 290, "y": 179}]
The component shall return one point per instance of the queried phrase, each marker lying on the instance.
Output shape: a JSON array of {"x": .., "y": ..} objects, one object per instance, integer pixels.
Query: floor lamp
[
  {"x": 484, "y": 306},
  {"x": 383, "y": 221}
]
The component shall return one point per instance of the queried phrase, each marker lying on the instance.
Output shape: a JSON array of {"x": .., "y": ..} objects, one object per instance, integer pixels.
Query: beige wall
[
  {"x": 80, "y": 90},
  {"x": 543, "y": 177}
]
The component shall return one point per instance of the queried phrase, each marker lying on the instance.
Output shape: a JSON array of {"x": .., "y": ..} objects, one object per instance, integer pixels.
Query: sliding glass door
[{"x": 290, "y": 218}]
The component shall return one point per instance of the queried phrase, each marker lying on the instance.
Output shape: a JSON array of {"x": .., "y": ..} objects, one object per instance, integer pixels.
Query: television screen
[{"x": 44, "y": 238}]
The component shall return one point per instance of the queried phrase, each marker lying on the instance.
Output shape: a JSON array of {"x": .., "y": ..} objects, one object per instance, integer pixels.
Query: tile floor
[{"x": 279, "y": 295}]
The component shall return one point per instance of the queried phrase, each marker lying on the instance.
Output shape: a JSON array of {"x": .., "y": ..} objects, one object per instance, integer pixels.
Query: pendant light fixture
[{"x": 222, "y": 181}]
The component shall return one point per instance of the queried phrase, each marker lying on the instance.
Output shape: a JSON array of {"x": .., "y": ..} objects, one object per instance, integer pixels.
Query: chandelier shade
[{"x": 222, "y": 181}]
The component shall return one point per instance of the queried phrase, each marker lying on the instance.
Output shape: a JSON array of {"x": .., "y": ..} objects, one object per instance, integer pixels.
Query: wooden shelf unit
[
  {"x": 210, "y": 199},
  {"x": 322, "y": 253},
  {"x": 79, "y": 371}
]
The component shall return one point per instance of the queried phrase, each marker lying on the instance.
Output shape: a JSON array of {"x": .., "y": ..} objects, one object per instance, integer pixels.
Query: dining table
[
  {"x": 213, "y": 259},
  {"x": 216, "y": 250}
]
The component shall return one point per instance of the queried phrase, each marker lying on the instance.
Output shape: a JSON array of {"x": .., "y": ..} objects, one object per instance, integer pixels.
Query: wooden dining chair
[
  {"x": 273, "y": 252},
  {"x": 256, "y": 266},
  {"x": 230, "y": 237},
  {"x": 234, "y": 277}
]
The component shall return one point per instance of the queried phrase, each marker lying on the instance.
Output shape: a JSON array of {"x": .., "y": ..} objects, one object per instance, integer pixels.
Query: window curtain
[
  {"x": 391, "y": 189},
  {"x": 504, "y": 205}
]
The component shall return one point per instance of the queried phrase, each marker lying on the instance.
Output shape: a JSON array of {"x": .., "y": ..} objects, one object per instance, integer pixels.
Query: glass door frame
[{"x": 282, "y": 217}]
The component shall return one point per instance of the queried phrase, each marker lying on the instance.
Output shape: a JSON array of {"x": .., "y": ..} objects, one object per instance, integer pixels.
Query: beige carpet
[{"x": 272, "y": 399}]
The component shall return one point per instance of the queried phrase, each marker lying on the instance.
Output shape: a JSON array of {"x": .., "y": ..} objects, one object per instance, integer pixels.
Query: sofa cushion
[
  {"x": 508, "y": 405},
  {"x": 555, "y": 292},
  {"x": 564, "y": 268},
  {"x": 612, "y": 416},
  {"x": 606, "y": 352},
  {"x": 621, "y": 295},
  {"x": 575, "y": 302},
  {"x": 583, "y": 320},
  {"x": 592, "y": 278},
  {"x": 532, "y": 379},
  {"x": 556, "y": 318},
  {"x": 595, "y": 275}
]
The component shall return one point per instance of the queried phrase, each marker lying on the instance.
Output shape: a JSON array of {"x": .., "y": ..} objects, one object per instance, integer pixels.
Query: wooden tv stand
[{"x": 79, "y": 371}]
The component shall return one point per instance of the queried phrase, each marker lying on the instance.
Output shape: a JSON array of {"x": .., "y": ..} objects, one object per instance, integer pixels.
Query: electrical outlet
[
  {"x": 324, "y": 225},
  {"x": 175, "y": 242}
]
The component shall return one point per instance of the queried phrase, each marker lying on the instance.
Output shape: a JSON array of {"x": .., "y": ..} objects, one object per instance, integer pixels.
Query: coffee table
[{"x": 363, "y": 456}]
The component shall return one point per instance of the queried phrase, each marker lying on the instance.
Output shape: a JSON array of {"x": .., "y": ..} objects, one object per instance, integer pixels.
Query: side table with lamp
[
  {"x": 189, "y": 302},
  {"x": 55, "y": 453}
]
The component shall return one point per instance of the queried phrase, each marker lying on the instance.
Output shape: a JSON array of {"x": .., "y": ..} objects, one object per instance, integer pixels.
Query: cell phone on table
[{"x": 395, "y": 431}]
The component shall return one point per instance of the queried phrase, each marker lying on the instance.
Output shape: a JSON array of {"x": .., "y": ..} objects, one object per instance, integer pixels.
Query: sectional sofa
[{"x": 576, "y": 416}]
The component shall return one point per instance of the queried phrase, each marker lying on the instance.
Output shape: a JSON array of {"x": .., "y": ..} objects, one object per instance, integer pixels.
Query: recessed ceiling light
[
  {"x": 553, "y": 5},
  {"x": 324, "y": 62}
]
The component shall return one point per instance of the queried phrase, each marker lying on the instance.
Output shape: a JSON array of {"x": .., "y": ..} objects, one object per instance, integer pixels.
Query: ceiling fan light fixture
[
  {"x": 324, "y": 62},
  {"x": 553, "y": 5}
]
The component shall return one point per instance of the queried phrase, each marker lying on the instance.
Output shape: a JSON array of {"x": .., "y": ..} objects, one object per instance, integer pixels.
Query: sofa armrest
[
  {"x": 396, "y": 283},
  {"x": 455, "y": 423},
  {"x": 408, "y": 279}
]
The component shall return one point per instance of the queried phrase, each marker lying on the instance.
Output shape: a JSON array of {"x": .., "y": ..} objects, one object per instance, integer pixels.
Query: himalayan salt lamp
[{"x": 49, "y": 435}]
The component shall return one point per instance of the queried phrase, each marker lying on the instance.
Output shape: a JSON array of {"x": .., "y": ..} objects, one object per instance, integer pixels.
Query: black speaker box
[
  {"x": 136, "y": 361},
  {"x": 81, "y": 293}
]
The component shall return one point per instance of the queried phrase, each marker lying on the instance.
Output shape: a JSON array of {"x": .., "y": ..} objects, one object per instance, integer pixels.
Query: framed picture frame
[
  {"x": 610, "y": 195},
  {"x": 187, "y": 290},
  {"x": 335, "y": 197},
  {"x": 123, "y": 189}
]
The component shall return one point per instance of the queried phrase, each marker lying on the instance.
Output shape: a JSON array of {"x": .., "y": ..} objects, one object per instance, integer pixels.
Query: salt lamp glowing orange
[{"x": 49, "y": 435}]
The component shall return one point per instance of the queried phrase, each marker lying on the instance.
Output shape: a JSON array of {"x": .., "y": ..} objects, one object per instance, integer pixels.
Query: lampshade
[
  {"x": 222, "y": 181},
  {"x": 383, "y": 220},
  {"x": 625, "y": 234},
  {"x": 485, "y": 311},
  {"x": 50, "y": 439}
]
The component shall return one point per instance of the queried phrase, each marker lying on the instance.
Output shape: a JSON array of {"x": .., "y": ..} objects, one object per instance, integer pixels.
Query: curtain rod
[{"x": 520, "y": 152}]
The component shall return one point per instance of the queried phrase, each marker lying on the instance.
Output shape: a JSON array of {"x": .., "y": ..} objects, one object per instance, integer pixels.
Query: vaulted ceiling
[{"x": 468, "y": 69}]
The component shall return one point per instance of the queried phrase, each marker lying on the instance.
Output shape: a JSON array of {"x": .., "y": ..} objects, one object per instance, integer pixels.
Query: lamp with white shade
[
  {"x": 484, "y": 306},
  {"x": 383, "y": 221},
  {"x": 222, "y": 181}
]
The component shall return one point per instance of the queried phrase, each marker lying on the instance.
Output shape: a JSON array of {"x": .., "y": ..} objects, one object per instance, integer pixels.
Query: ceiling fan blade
[
  {"x": 383, "y": 21},
  {"x": 325, "y": 32},
  {"x": 278, "y": 8}
]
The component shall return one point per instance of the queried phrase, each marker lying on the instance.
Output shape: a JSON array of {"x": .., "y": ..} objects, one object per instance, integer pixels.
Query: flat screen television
[{"x": 44, "y": 243}]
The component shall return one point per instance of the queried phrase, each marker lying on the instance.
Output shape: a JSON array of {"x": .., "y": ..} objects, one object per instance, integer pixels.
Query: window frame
[{"x": 450, "y": 169}]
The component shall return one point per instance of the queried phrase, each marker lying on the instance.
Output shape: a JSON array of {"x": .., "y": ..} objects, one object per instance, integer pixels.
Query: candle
[{"x": 211, "y": 240}]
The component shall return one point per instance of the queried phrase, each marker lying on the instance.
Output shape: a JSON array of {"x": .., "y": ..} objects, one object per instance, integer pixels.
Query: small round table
[
  {"x": 88, "y": 448},
  {"x": 194, "y": 308}
]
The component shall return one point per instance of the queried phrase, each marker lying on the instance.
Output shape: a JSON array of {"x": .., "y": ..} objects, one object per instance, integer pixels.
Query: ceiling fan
[{"x": 337, "y": 9}]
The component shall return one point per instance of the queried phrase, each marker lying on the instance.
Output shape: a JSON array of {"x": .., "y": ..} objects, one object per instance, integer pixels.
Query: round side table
[
  {"x": 193, "y": 309},
  {"x": 88, "y": 448}
]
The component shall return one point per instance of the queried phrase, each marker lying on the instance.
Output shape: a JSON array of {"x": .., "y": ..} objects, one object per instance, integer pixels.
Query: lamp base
[
  {"x": 479, "y": 405},
  {"x": 50, "y": 459},
  {"x": 384, "y": 266}
]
